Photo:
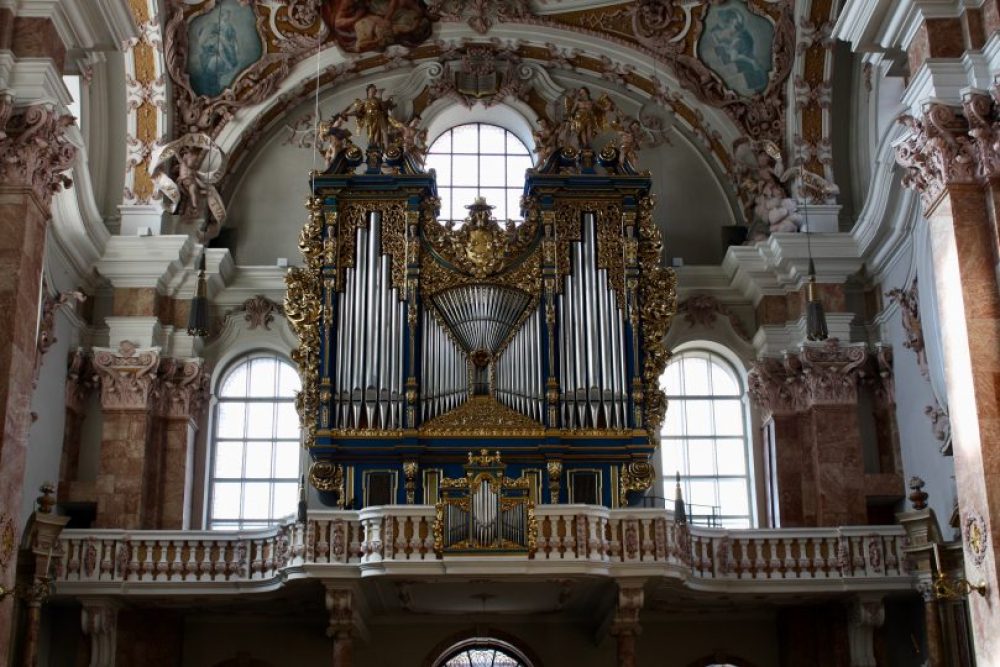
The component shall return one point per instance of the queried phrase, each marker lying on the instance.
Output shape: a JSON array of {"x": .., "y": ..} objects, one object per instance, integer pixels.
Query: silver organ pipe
[
  {"x": 592, "y": 374},
  {"x": 519, "y": 369},
  {"x": 444, "y": 369},
  {"x": 369, "y": 365}
]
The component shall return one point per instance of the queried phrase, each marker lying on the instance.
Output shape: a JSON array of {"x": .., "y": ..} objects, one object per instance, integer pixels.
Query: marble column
[
  {"x": 625, "y": 626},
  {"x": 340, "y": 605},
  {"x": 126, "y": 478},
  {"x": 865, "y": 615},
  {"x": 951, "y": 159},
  {"x": 99, "y": 618},
  {"x": 182, "y": 399},
  {"x": 810, "y": 403},
  {"x": 80, "y": 382},
  {"x": 33, "y": 154}
]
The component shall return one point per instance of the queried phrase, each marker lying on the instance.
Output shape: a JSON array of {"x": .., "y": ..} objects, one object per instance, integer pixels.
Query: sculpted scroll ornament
[
  {"x": 34, "y": 150},
  {"x": 479, "y": 14}
]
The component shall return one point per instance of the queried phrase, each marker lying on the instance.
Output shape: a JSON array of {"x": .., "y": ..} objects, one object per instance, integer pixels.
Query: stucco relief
[{"x": 703, "y": 310}]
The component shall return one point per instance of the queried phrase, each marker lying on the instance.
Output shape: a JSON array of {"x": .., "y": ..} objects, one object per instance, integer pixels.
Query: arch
[
  {"x": 720, "y": 660},
  {"x": 488, "y": 637}
]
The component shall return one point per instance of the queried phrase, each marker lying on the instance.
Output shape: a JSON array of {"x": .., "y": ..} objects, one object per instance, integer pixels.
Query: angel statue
[
  {"x": 412, "y": 138},
  {"x": 189, "y": 185},
  {"x": 334, "y": 137},
  {"x": 545, "y": 141},
  {"x": 630, "y": 138},
  {"x": 372, "y": 114},
  {"x": 585, "y": 118}
]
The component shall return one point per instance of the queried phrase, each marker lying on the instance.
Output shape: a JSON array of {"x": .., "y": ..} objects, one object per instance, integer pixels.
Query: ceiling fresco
[{"x": 732, "y": 56}]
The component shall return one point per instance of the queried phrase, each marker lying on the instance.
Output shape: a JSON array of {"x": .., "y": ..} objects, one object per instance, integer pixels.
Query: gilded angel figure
[
  {"x": 587, "y": 118},
  {"x": 372, "y": 115}
]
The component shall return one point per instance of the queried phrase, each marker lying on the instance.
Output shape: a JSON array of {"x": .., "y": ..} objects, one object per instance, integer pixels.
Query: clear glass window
[
  {"x": 479, "y": 160},
  {"x": 255, "y": 457},
  {"x": 704, "y": 438}
]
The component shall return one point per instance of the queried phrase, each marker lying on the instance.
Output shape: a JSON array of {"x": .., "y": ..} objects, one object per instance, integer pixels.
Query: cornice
[{"x": 146, "y": 261}]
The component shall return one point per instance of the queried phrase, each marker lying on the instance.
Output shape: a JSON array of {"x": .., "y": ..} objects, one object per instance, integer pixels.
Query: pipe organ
[{"x": 422, "y": 340}]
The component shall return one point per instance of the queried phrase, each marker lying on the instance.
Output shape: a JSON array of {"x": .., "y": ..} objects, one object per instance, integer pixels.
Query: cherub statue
[
  {"x": 372, "y": 114},
  {"x": 334, "y": 137},
  {"x": 762, "y": 173},
  {"x": 545, "y": 141}
]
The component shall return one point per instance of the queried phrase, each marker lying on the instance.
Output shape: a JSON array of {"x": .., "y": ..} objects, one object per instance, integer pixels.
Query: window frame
[
  {"x": 243, "y": 523},
  {"x": 513, "y": 183},
  {"x": 674, "y": 401}
]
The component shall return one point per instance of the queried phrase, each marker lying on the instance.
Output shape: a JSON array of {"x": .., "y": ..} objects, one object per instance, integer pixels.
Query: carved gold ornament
[
  {"x": 976, "y": 536},
  {"x": 636, "y": 476}
]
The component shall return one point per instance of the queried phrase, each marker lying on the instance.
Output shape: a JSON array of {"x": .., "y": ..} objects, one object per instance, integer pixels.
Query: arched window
[
  {"x": 704, "y": 438},
  {"x": 479, "y": 159},
  {"x": 255, "y": 453},
  {"x": 482, "y": 652}
]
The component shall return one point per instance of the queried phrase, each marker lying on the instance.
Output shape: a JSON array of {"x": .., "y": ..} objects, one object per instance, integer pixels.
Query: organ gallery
[{"x": 609, "y": 333}]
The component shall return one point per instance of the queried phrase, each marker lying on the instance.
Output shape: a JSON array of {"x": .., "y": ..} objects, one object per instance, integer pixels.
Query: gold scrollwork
[
  {"x": 304, "y": 310},
  {"x": 658, "y": 303},
  {"x": 635, "y": 476}
]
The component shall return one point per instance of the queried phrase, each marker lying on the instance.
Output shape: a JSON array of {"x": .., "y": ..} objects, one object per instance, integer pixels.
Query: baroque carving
[
  {"x": 304, "y": 309},
  {"x": 703, "y": 310},
  {"x": 146, "y": 100},
  {"x": 815, "y": 374},
  {"x": 185, "y": 174},
  {"x": 34, "y": 151},
  {"x": 940, "y": 424},
  {"x": 976, "y": 535},
  {"x": 81, "y": 379},
  {"x": 909, "y": 304},
  {"x": 482, "y": 416},
  {"x": 183, "y": 388},
  {"x": 51, "y": 304},
  {"x": 259, "y": 311},
  {"x": 936, "y": 153},
  {"x": 483, "y": 74},
  {"x": 480, "y": 15},
  {"x": 127, "y": 376}
]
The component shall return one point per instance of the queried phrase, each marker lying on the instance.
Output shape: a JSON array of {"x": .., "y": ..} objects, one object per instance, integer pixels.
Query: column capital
[
  {"x": 937, "y": 153},
  {"x": 631, "y": 598},
  {"x": 824, "y": 373},
  {"x": 99, "y": 620},
  {"x": 34, "y": 149},
  {"x": 127, "y": 376},
  {"x": 183, "y": 388},
  {"x": 865, "y": 615}
]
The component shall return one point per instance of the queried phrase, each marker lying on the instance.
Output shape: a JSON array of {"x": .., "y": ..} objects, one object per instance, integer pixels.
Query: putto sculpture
[{"x": 185, "y": 172}]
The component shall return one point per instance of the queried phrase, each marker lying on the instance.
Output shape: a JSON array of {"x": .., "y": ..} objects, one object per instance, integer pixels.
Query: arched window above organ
[{"x": 479, "y": 159}]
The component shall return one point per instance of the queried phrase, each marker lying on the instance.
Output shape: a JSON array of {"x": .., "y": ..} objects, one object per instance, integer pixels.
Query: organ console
[{"x": 421, "y": 340}]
